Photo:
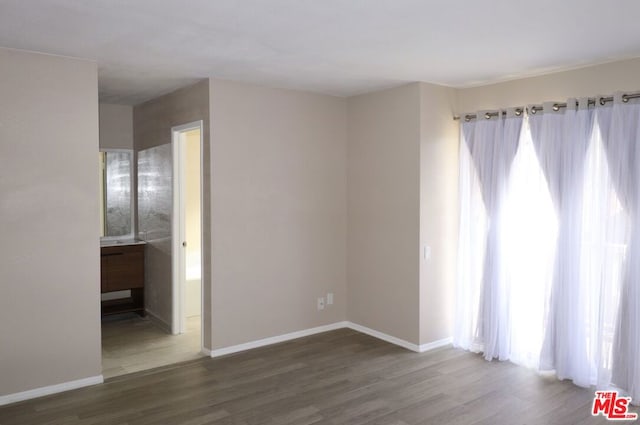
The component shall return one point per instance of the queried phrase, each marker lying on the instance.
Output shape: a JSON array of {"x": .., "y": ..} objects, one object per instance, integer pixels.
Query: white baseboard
[
  {"x": 312, "y": 331},
  {"x": 436, "y": 344},
  {"x": 383, "y": 336},
  {"x": 401, "y": 342},
  {"x": 51, "y": 389},
  {"x": 276, "y": 339},
  {"x": 161, "y": 323},
  {"x": 206, "y": 352}
]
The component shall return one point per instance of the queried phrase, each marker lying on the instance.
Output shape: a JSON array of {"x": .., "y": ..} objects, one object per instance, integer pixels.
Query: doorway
[
  {"x": 187, "y": 229},
  {"x": 169, "y": 210}
]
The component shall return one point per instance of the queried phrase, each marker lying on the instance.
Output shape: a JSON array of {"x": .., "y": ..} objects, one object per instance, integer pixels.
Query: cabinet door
[
  {"x": 126, "y": 270},
  {"x": 104, "y": 274}
]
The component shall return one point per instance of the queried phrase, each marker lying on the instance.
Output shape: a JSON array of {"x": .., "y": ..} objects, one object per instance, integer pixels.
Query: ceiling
[{"x": 145, "y": 48}]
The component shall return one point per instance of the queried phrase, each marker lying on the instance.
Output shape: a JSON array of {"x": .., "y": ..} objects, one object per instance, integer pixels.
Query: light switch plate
[{"x": 330, "y": 298}]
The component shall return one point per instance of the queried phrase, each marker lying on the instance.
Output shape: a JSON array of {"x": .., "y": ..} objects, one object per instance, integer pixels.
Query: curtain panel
[
  {"x": 619, "y": 124},
  {"x": 492, "y": 145},
  {"x": 561, "y": 139}
]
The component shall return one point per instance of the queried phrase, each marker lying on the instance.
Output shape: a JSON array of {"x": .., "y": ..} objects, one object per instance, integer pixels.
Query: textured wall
[
  {"x": 384, "y": 207},
  {"x": 279, "y": 210},
  {"x": 49, "y": 226},
  {"x": 438, "y": 211},
  {"x": 116, "y": 126},
  {"x": 155, "y": 203}
]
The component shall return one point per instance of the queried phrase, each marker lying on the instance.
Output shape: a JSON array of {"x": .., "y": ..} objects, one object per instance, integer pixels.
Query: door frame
[{"x": 178, "y": 257}]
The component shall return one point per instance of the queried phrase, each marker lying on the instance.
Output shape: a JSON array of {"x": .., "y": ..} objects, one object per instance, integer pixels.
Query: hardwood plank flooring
[{"x": 338, "y": 377}]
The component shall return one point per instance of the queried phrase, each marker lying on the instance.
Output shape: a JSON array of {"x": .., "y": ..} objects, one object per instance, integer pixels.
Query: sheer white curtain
[
  {"x": 491, "y": 145},
  {"x": 604, "y": 240},
  {"x": 523, "y": 220},
  {"x": 548, "y": 270},
  {"x": 561, "y": 139},
  {"x": 530, "y": 232},
  {"x": 471, "y": 246},
  {"x": 619, "y": 125}
]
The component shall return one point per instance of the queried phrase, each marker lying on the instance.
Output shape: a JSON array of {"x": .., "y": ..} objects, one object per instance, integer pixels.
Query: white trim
[
  {"x": 206, "y": 351},
  {"x": 276, "y": 339},
  {"x": 177, "y": 228},
  {"x": 385, "y": 337},
  {"x": 202, "y": 235},
  {"x": 51, "y": 389},
  {"x": 175, "y": 232},
  {"x": 436, "y": 344},
  {"x": 158, "y": 321}
]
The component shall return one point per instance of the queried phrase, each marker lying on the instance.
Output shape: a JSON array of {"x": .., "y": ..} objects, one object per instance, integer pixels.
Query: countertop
[{"x": 121, "y": 242}]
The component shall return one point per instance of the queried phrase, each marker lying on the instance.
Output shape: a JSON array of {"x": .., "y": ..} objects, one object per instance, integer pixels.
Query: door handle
[{"x": 184, "y": 244}]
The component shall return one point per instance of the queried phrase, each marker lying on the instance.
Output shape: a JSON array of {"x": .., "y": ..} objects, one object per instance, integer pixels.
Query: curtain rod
[{"x": 556, "y": 106}]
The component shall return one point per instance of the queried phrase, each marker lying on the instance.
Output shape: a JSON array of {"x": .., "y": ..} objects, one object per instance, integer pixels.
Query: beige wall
[
  {"x": 116, "y": 126},
  {"x": 278, "y": 209},
  {"x": 384, "y": 211},
  {"x": 438, "y": 210},
  {"x": 152, "y": 123},
  {"x": 49, "y": 258},
  {"x": 601, "y": 79}
]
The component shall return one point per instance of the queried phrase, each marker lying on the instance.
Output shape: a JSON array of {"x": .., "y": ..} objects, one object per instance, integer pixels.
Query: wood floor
[
  {"x": 339, "y": 377},
  {"x": 132, "y": 344}
]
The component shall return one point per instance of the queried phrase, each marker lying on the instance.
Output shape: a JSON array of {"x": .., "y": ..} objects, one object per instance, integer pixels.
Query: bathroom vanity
[{"x": 122, "y": 269}]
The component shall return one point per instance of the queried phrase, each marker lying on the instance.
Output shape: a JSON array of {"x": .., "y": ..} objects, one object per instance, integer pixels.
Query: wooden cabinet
[{"x": 121, "y": 269}]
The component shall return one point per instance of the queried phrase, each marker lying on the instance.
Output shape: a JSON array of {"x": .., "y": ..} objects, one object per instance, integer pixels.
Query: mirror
[{"x": 116, "y": 202}]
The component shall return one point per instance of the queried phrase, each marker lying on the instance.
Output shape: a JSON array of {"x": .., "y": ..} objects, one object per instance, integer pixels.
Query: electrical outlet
[
  {"x": 321, "y": 303},
  {"x": 330, "y": 298}
]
